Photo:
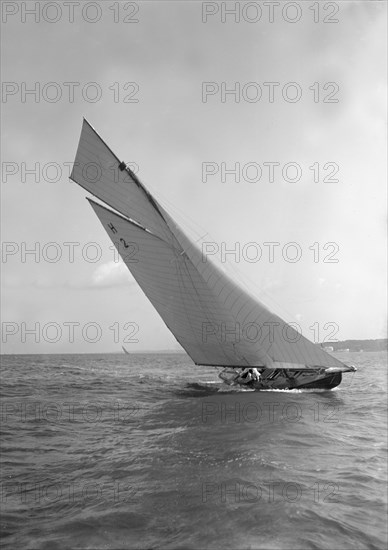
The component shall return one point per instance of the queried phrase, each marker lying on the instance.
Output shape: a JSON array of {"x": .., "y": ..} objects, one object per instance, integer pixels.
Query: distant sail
[
  {"x": 125, "y": 351},
  {"x": 213, "y": 319}
]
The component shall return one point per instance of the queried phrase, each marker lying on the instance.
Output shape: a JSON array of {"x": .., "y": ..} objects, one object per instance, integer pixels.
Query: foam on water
[{"x": 100, "y": 454}]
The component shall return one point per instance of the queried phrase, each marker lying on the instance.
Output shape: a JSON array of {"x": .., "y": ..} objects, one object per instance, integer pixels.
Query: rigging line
[
  {"x": 234, "y": 272},
  {"x": 192, "y": 244},
  {"x": 135, "y": 179},
  {"x": 194, "y": 228},
  {"x": 237, "y": 274},
  {"x": 133, "y": 176},
  {"x": 194, "y": 225}
]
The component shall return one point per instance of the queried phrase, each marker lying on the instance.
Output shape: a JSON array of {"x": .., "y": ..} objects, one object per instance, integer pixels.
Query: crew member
[
  {"x": 255, "y": 374},
  {"x": 244, "y": 377}
]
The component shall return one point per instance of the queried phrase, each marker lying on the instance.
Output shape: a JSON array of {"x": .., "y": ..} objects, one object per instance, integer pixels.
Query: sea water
[{"x": 149, "y": 451}]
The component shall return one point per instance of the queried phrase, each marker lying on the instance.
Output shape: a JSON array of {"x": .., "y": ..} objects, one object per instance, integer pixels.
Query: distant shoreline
[
  {"x": 356, "y": 345},
  {"x": 380, "y": 344}
]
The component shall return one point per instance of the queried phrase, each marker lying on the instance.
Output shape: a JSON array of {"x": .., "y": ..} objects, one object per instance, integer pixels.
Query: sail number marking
[{"x": 130, "y": 248}]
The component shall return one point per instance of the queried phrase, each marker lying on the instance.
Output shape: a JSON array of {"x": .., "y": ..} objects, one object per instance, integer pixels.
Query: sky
[{"x": 202, "y": 101}]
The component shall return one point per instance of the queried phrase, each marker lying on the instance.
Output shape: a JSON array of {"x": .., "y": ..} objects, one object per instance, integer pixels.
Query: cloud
[
  {"x": 111, "y": 274},
  {"x": 108, "y": 275}
]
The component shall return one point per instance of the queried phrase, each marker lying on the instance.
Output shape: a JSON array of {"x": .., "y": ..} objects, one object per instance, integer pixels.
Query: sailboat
[
  {"x": 125, "y": 350},
  {"x": 218, "y": 323}
]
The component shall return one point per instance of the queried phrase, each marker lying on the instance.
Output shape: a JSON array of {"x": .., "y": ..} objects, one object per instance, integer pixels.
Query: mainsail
[{"x": 214, "y": 320}]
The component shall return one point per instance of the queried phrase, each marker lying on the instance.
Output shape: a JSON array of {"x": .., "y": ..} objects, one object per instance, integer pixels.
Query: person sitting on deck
[
  {"x": 255, "y": 374},
  {"x": 244, "y": 377},
  {"x": 248, "y": 375}
]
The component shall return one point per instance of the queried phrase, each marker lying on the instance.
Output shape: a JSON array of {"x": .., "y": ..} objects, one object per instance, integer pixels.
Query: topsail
[{"x": 215, "y": 321}]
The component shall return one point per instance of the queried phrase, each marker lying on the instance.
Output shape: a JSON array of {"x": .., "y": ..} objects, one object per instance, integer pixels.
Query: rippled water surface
[{"x": 147, "y": 451}]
